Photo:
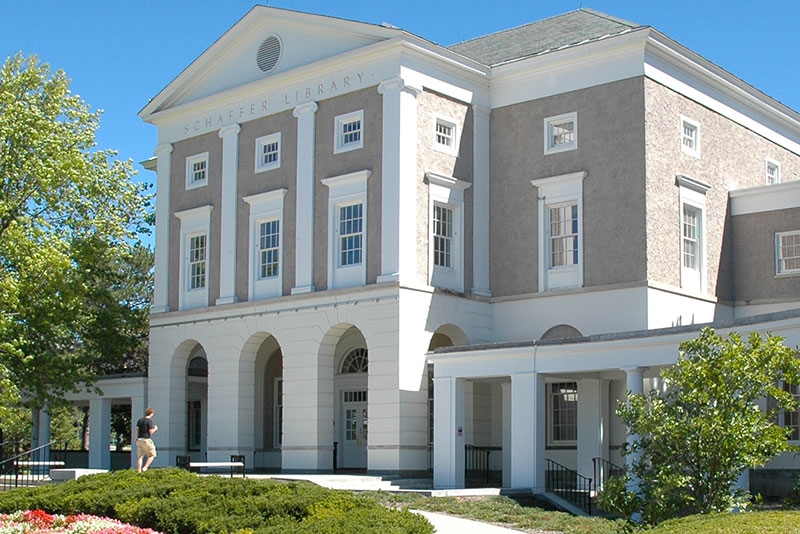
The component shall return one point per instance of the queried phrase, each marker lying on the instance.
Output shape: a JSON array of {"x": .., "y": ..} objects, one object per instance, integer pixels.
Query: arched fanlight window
[
  {"x": 198, "y": 366},
  {"x": 356, "y": 361}
]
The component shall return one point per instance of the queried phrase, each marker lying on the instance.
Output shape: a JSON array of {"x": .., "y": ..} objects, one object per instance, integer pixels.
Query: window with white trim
[
  {"x": 787, "y": 253},
  {"x": 197, "y": 170},
  {"x": 790, "y": 419},
  {"x": 773, "y": 171},
  {"x": 445, "y": 136},
  {"x": 560, "y": 231},
  {"x": 690, "y": 137},
  {"x": 562, "y": 413},
  {"x": 692, "y": 224},
  {"x": 446, "y": 222},
  {"x": 347, "y": 229},
  {"x": 266, "y": 244},
  {"x": 268, "y": 152},
  {"x": 349, "y": 132},
  {"x": 561, "y": 133},
  {"x": 195, "y": 249}
]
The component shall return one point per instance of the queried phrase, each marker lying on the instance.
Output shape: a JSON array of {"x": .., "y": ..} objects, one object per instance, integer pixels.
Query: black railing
[
  {"x": 603, "y": 471},
  {"x": 477, "y": 464},
  {"x": 31, "y": 467},
  {"x": 569, "y": 485}
]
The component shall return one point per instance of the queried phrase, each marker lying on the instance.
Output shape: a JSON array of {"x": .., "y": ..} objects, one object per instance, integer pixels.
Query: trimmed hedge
[{"x": 175, "y": 501}]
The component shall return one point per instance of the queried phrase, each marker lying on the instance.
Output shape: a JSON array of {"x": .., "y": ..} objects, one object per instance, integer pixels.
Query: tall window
[
  {"x": 690, "y": 137},
  {"x": 278, "y": 415},
  {"x": 197, "y": 262},
  {"x": 197, "y": 170},
  {"x": 268, "y": 152},
  {"x": 564, "y": 235},
  {"x": 561, "y": 133},
  {"x": 351, "y": 234},
  {"x": 787, "y": 252},
  {"x": 349, "y": 134},
  {"x": 442, "y": 236},
  {"x": 791, "y": 419},
  {"x": 563, "y": 413},
  {"x": 268, "y": 249},
  {"x": 692, "y": 244},
  {"x": 195, "y": 409}
]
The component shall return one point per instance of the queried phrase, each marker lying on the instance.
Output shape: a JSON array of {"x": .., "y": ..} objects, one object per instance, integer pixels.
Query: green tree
[
  {"x": 70, "y": 215},
  {"x": 693, "y": 439}
]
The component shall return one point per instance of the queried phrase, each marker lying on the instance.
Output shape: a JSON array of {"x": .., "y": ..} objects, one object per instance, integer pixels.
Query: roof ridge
[{"x": 612, "y": 18}]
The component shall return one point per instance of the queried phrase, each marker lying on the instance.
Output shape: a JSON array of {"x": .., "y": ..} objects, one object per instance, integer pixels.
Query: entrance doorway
[{"x": 354, "y": 442}]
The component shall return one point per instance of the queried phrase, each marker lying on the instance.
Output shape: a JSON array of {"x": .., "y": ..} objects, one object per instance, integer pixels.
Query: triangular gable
[{"x": 247, "y": 52}]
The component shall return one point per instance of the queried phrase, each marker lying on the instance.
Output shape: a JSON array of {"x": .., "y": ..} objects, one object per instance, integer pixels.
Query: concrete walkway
[{"x": 442, "y": 523}]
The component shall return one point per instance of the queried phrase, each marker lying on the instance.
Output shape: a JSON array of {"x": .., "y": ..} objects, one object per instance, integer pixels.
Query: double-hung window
[
  {"x": 562, "y": 412},
  {"x": 561, "y": 133},
  {"x": 197, "y": 170},
  {"x": 560, "y": 231},
  {"x": 347, "y": 229},
  {"x": 787, "y": 253},
  {"x": 266, "y": 244},
  {"x": 446, "y": 241},
  {"x": 692, "y": 228},
  {"x": 268, "y": 152},
  {"x": 773, "y": 171},
  {"x": 349, "y": 132},
  {"x": 195, "y": 247}
]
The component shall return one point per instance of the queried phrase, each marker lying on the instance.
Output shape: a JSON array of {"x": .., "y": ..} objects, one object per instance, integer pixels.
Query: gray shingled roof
[{"x": 537, "y": 37}]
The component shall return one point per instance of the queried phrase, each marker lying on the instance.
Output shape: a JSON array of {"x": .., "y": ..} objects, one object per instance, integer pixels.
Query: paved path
[{"x": 447, "y": 524}]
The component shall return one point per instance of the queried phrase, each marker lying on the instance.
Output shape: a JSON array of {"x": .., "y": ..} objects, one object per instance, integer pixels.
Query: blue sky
[{"x": 121, "y": 54}]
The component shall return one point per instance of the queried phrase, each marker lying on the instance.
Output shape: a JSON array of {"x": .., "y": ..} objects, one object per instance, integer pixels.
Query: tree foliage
[
  {"x": 693, "y": 439},
  {"x": 70, "y": 215}
]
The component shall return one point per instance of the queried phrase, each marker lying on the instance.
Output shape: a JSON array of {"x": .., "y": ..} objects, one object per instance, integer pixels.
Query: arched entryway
[
  {"x": 268, "y": 409},
  {"x": 197, "y": 404}
]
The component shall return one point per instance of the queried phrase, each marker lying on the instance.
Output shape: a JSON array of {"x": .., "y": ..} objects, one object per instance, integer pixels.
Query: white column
[
  {"x": 448, "y": 433},
  {"x": 634, "y": 384},
  {"x": 480, "y": 202},
  {"x": 399, "y": 178},
  {"x": 527, "y": 431},
  {"x": 304, "y": 246},
  {"x": 161, "y": 275},
  {"x": 99, "y": 433},
  {"x": 592, "y": 424},
  {"x": 227, "y": 254},
  {"x": 44, "y": 426},
  {"x": 506, "y": 434}
]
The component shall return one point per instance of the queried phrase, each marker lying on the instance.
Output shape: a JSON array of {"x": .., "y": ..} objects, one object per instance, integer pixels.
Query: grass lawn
[{"x": 526, "y": 516}]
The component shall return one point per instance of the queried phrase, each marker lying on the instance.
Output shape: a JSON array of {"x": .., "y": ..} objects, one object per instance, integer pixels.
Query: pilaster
[
  {"x": 304, "y": 258},
  {"x": 480, "y": 202},
  {"x": 163, "y": 155},
  {"x": 230, "y": 169}
]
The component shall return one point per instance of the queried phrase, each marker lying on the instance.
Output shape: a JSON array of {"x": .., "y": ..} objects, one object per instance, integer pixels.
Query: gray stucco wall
[
  {"x": 183, "y": 199},
  {"x": 328, "y": 164},
  {"x": 610, "y": 150},
  {"x": 251, "y": 183},
  {"x": 731, "y": 157},
  {"x": 431, "y": 105},
  {"x": 755, "y": 281}
]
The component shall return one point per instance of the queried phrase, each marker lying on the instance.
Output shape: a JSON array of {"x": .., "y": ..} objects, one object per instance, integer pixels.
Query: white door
[{"x": 354, "y": 440}]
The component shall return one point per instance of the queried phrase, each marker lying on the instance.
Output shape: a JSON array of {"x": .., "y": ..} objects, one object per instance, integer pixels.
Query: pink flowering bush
[{"x": 38, "y": 521}]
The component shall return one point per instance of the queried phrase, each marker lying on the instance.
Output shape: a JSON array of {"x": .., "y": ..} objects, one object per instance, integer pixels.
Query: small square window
[
  {"x": 773, "y": 171},
  {"x": 690, "y": 137},
  {"x": 268, "y": 152},
  {"x": 349, "y": 133},
  {"x": 787, "y": 252},
  {"x": 561, "y": 133},
  {"x": 197, "y": 170},
  {"x": 444, "y": 138}
]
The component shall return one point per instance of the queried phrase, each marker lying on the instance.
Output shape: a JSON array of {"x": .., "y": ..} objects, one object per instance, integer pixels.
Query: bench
[{"x": 236, "y": 464}]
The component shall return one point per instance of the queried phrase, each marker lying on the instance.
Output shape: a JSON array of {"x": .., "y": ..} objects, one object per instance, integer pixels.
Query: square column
[
  {"x": 448, "y": 433},
  {"x": 304, "y": 253},
  {"x": 227, "y": 253},
  {"x": 592, "y": 424},
  {"x": 100, "y": 433},
  {"x": 231, "y": 406},
  {"x": 527, "y": 431},
  {"x": 163, "y": 154}
]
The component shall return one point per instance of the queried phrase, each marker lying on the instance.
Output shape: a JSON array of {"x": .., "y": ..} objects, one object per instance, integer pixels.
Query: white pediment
[{"x": 294, "y": 39}]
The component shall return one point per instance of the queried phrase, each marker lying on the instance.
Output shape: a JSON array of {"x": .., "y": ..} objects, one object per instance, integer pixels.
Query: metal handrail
[
  {"x": 31, "y": 467},
  {"x": 603, "y": 471},
  {"x": 476, "y": 462},
  {"x": 569, "y": 485}
]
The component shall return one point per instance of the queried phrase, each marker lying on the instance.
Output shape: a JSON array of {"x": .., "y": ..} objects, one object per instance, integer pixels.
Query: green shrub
[{"x": 176, "y": 501}]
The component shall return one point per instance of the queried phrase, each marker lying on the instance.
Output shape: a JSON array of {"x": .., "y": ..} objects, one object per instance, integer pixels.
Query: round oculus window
[{"x": 269, "y": 53}]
